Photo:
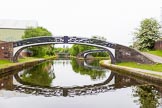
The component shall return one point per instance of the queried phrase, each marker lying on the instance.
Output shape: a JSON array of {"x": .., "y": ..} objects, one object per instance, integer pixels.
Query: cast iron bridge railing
[
  {"x": 74, "y": 91},
  {"x": 62, "y": 40}
]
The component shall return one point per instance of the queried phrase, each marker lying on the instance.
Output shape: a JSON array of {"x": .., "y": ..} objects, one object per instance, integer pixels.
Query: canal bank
[
  {"x": 21, "y": 65},
  {"x": 72, "y": 82},
  {"x": 153, "y": 76}
]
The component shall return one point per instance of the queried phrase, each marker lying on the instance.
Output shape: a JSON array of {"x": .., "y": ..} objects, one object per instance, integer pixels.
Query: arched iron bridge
[
  {"x": 121, "y": 53},
  {"x": 22, "y": 44}
]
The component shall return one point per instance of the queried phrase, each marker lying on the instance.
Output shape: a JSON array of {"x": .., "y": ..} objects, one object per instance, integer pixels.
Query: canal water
[{"x": 75, "y": 84}]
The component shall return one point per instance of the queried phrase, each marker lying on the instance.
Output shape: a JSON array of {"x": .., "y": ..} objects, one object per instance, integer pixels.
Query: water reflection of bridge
[
  {"x": 24, "y": 87},
  {"x": 119, "y": 81}
]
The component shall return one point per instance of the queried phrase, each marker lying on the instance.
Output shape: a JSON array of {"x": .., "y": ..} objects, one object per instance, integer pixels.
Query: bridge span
[{"x": 121, "y": 53}]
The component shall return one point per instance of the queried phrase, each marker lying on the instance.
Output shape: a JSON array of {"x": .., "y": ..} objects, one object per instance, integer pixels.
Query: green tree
[
  {"x": 146, "y": 34},
  {"x": 39, "y": 51},
  {"x": 148, "y": 96},
  {"x": 76, "y": 49},
  {"x": 41, "y": 75},
  {"x": 93, "y": 74}
]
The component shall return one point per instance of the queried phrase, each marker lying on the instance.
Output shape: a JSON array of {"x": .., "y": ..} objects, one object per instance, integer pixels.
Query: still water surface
[{"x": 75, "y": 84}]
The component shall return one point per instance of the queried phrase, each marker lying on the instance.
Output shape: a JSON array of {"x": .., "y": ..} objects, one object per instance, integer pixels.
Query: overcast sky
[{"x": 113, "y": 19}]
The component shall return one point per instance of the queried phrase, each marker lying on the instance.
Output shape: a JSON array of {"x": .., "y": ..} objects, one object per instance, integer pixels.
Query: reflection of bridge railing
[
  {"x": 76, "y": 91},
  {"x": 85, "y": 63},
  {"x": 72, "y": 91},
  {"x": 24, "y": 87},
  {"x": 62, "y": 91},
  {"x": 97, "y": 68}
]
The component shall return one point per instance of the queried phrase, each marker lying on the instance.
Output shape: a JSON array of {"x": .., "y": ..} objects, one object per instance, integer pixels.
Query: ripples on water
[{"x": 75, "y": 83}]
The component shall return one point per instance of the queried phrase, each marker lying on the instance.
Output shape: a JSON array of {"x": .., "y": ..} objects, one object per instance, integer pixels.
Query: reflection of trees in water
[
  {"x": 41, "y": 74},
  {"x": 148, "y": 96},
  {"x": 94, "y": 62},
  {"x": 94, "y": 74}
]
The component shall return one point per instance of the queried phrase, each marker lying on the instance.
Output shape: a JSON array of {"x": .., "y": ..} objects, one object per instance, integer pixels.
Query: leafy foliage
[
  {"x": 93, "y": 74},
  {"x": 77, "y": 49},
  {"x": 39, "y": 75},
  {"x": 148, "y": 96},
  {"x": 62, "y": 50},
  {"x": 36, "y": 32},
  {"x": 39, "y": 51},
  {"x": 147, "y": 34}
]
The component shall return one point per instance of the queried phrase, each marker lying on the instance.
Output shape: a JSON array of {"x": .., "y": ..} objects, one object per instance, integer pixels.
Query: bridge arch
[
  {"x": 112, "y": 57},
  {"x": 64, "y": 91},
  {"x": 22, "y": 44},
  {"x": 87, "y": 52},
  {"x": 122, "y": 53}
]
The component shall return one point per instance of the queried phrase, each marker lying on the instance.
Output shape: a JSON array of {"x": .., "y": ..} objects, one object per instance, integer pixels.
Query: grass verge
[
  {"x": 154, "y": 67},
  {"x": 156, "y": 52},
  {"x": 7, "y": 63}
]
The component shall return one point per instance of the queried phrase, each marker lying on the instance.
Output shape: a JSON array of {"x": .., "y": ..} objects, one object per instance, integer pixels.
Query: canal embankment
[
  {"x": 147, "y": 75},
  {"x": 21, "y": 65}
]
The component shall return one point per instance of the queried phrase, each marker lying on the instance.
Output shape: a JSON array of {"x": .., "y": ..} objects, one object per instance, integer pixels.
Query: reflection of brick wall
[
  {"x": 6, "y": 82},
  {"x": 6, "y": 50},
  {"x": 158, "y": 45}
]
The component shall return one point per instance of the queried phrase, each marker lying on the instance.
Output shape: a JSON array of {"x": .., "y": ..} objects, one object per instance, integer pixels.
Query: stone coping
[{"x": 148, "y": 75}]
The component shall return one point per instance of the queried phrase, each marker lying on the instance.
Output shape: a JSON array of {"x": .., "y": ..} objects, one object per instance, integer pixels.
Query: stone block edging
[{"x": 147, "y": 75}]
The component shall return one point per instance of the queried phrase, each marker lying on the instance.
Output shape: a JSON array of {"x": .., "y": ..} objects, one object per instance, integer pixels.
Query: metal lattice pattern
[
  {"x": 62, "y": 40},
  {"x": 76, "y": 91}
]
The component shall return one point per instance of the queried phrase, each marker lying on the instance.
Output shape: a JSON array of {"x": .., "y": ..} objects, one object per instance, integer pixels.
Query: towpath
[{"x": 155, "y": 58}]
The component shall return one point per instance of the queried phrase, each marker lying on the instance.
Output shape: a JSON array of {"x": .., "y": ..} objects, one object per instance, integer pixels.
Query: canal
[{"x": 75, "y": 83}]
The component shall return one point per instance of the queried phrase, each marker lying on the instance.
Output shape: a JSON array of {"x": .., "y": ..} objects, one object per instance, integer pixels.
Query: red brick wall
[
  {"x": 6, "y": 83},
  {"x": 6, "y": 51},
  {"x": 158, "y": 45}
]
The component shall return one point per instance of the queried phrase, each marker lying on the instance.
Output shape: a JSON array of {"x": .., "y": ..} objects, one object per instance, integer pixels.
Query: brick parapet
[{"x": 6, "y": 51}]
